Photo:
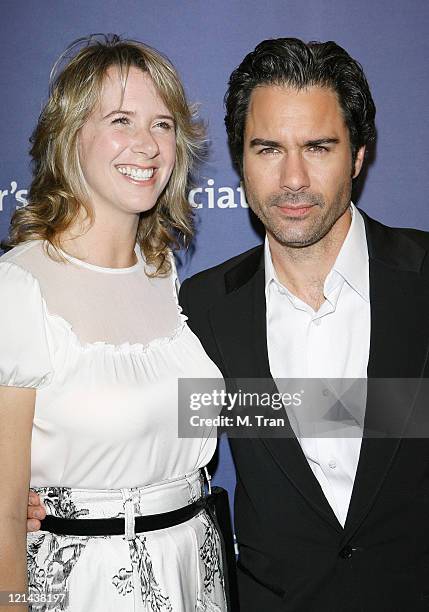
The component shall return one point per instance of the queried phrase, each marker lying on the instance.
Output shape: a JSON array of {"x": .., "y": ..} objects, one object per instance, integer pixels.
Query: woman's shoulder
[
  {"x": 28, "y": 261},
  {"x": 16, "y": 269},
  {"x": 22, "y": 270},
  {"x": 23, "y": 254}
]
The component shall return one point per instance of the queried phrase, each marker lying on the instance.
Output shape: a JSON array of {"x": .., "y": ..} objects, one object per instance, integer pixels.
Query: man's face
[{"x": 297, "y": 162}]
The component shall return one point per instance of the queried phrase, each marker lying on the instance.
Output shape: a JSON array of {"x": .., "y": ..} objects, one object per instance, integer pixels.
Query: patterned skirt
[{"x": 178, "y": 569}]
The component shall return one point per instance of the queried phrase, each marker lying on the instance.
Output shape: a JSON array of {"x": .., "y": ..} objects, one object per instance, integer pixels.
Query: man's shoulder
[
  {"x": 421, "y": 237},
  {"x": 396, "y": 244},
  {"x": 199, "y": 293},
  {"x": 214, "y": 278},
  {"x": 418, "y": 235}
]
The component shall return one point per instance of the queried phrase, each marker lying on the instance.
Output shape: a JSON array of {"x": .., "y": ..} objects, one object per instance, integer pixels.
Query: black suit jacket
[{"x": 294, "y": 554}]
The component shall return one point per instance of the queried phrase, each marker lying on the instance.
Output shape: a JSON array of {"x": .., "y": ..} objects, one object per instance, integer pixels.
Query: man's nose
[
  {"x": 145, "y": 143},
  {"x": 294, "y": 175}
]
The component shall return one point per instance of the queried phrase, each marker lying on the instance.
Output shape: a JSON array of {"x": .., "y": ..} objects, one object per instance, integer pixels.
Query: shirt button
[
  {"x": 332, "y": 464},
  {"x": 325, "y": 392},
  {"x": 317, "y": 321}
]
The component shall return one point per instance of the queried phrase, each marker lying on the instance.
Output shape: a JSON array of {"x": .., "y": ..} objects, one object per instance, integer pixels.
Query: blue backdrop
[{"x": 205, "y": 41}]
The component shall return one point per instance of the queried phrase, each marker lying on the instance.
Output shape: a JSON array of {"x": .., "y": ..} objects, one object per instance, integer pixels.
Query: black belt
[{"x": 116, "y": 526}]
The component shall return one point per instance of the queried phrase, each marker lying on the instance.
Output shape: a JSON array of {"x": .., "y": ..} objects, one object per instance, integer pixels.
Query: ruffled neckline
[{"x": 124, "y": 347}]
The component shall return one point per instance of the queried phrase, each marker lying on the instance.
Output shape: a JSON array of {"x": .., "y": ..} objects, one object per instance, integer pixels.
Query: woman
[{"x": 92, "y": 342}]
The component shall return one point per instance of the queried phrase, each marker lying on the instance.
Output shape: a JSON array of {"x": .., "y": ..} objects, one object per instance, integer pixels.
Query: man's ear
[{"x": 359, "y": 161}]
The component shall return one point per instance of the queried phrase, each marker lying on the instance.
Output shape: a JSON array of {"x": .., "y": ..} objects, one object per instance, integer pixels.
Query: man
[
  {"x": 335, "y": 524},
  {"x": 332, "y": 524}
]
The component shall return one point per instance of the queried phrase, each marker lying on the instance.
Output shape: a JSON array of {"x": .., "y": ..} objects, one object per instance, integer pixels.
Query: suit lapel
[
  {"x": 239, "y": 325},
  {"x": 398, "y": 349}
]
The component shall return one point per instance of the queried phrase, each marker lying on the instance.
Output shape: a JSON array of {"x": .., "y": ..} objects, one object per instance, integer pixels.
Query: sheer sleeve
[{"x": 25, "y": 359}]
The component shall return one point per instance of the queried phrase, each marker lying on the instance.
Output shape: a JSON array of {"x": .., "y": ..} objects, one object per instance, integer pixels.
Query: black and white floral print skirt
[{"x": 178, "y": 569}]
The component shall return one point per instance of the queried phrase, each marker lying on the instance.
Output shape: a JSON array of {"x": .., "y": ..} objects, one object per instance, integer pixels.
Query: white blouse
[{"x": 104, "y": 348}]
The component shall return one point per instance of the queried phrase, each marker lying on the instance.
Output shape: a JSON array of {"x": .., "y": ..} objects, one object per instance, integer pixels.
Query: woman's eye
[
  {"x": 121, "y": 121},
  {"x": 164, "y": 125}
]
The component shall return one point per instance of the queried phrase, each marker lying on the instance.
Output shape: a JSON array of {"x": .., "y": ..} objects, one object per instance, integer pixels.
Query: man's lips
[{"x": 296, "y": 211}]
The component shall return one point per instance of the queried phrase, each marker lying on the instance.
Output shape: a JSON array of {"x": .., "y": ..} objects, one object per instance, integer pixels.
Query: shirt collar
[{"x": 351, "y": 263}]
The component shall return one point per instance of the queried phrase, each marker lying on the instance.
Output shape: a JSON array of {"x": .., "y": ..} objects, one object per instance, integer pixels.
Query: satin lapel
[
  {"x": 398, "y": 349},
  {"x": 239, "y": 325}
]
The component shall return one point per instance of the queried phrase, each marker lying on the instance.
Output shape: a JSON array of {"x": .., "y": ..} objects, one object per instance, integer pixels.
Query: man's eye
[
  {"x": 268, "y": 151},
  {"x": 121, "y": 121},
  {"x": 318, "y": 149}
]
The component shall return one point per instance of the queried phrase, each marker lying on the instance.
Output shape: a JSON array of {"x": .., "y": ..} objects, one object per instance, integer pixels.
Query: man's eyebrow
[
  {"x": 321, "y": 141},
  {"x": 261, "y": 142}
]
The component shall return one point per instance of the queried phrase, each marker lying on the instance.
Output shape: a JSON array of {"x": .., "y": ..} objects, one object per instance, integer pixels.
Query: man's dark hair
[{"x": 293, "y": 63}]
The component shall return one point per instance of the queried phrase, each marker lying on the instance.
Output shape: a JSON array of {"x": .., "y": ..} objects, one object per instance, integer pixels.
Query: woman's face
[{"x": 127, "y": 147}]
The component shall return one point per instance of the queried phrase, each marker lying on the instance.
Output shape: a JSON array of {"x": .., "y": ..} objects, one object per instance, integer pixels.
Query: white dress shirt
[{"x": 332, "y": 343}]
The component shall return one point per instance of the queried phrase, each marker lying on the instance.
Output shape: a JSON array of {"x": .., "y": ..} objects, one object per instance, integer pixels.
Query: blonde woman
[{"x": 92, "y": 342}]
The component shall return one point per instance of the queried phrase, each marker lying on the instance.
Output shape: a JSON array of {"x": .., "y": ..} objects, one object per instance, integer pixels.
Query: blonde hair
[{"x": 57, "y": 191}]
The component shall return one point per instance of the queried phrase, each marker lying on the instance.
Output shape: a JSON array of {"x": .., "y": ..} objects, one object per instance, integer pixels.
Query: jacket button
[{"x": 346, "y": 552}]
